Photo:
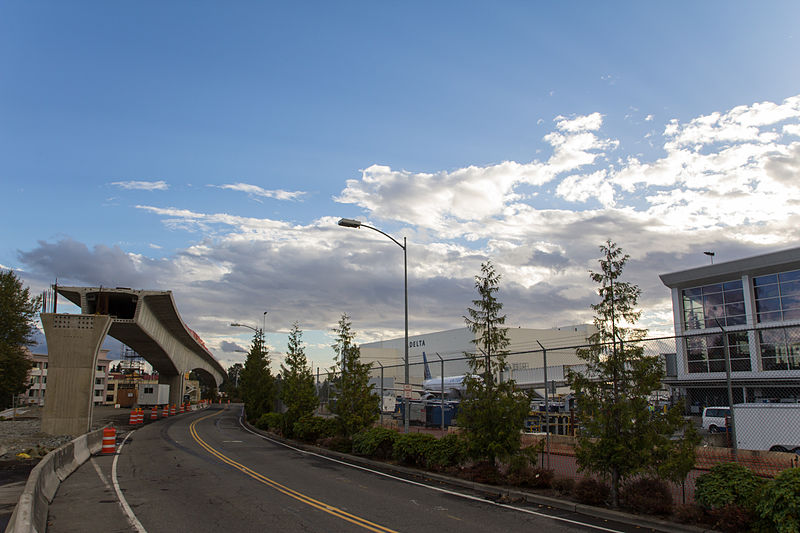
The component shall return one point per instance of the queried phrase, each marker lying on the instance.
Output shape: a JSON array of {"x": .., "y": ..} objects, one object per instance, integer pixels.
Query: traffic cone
[
  {"x": 109, "y": 441},
  {"x": 154, "y": 413},
  {"x": 172, "y": 410},
  {"x": 165, "y": 412},
  {"x": 132, "y": 418},
  {"x": 180, "y": 409}
]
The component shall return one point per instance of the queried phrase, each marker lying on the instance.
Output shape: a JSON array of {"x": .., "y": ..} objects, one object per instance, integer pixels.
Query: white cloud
[
  {"x": 648, "y": 118},
  {"x": 142, "y": 185},
  {"x": 579, "y": 123},
  {"x": 256, "y": 191}
]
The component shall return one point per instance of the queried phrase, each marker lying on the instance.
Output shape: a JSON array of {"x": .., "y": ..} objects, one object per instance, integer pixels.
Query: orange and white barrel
[{"x": 109, "y": 441}]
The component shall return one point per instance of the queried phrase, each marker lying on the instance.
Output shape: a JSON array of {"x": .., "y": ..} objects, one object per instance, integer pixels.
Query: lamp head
[
  {"x": 349, "y": 223},
  {"x": 709, "y": 254}
]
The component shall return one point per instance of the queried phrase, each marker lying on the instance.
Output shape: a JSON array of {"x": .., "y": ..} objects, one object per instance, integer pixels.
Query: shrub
[
  {"x": 563, "y": 485},
  {"x": 483, "y": 472},
  {"x": 690, "y": 513},
  {"x": 270, "y": 422},
  {"x": 726, "y": 484},
  {"x": 337, "y": 443},
  {"x": 591, "y": 491},
  {"x": 731, "y": 518},
  {"x": 314, "y": 428},
  {"x": 413, "y": 448},
  {"x": 778, "y": 508},
  {"x": 647, "y": 495},
  {"x": 450, "y": 450},
  {"x": 374, "y": 442}
]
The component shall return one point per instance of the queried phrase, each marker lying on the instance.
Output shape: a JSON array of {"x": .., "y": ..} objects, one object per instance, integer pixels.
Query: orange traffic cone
[
  {"x": 132, "y": 418},
  {"x": 165, "y": 412},
  {"x": 109, "y": 441},
  {"x": 180, "y": 409},
  {"x": 154, "y": 413},
  {"x": 172, "y": 410}
]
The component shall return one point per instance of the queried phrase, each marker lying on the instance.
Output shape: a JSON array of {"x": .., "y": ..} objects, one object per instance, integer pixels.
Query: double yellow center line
[{"x": 282, "y": 488}]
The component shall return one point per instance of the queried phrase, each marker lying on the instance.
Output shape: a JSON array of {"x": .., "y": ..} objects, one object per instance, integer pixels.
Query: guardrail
[{"x": 30, "y": 514}]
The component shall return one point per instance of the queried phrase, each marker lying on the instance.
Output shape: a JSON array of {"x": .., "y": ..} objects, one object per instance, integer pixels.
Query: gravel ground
[{"x": 24, "y": 434}]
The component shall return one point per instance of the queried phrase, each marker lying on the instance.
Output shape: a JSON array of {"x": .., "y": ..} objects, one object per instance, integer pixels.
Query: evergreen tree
[
  {"x": 256, "y": 382},
  {"x": 17, "y": 313},
  {"x": 622, "y": 434},
  {"x": 298, "y": 392},
  {"x": 233, "y": 381},
  {"x": 356, "y": 405},
  {"x": 492, "y": 411}
]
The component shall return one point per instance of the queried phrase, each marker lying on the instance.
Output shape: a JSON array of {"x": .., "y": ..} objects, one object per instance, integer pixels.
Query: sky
[{"x": 209, "y": 148}]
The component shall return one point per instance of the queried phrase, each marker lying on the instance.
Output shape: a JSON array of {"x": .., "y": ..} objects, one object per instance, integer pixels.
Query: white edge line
[
  {"x": 122, "y": 501},
  {"x": 437, "y": 489}
]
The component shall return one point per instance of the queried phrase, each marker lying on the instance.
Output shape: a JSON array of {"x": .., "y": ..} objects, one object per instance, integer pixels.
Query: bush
[
  {"x": 591, "y": 491},
  {"x": 731, "y": 518},
  {"x": 563, "y": 485},
  {"x": 778, "y": 508},
  {"x": 689, "y": 513},
  {"x": 337, "y": 443},
  {"x": 647, "y": 495},
  {"x": 413, "y": 448},
  {"x": 483, "y": 472},
  {"x": 450, "y": 450},
  {"x": 270, "y": 422},
  {"x": 313, "y": 428},
  {"x": 374, "y": 442},
  {"x": 726, "y": 484}
]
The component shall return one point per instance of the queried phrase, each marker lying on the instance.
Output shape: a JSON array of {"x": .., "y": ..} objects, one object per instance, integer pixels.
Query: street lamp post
[{"x": 350, "y": 223}]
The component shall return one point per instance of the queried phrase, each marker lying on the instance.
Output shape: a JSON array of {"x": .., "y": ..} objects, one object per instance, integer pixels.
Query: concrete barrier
[{"x": 30, "y": 514}]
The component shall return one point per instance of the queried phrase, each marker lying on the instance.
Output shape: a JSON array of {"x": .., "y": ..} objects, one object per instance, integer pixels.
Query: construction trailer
[
  {"x": 153, "y": 394},
  {"x": 767, "y": 426}
]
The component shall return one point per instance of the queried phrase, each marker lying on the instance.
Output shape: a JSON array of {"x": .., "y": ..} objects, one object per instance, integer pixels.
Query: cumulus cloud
[
  {"x": 724, "y": 181},
  {"x": 254, "y": 191},
  {"x": 142, "y": 185}
]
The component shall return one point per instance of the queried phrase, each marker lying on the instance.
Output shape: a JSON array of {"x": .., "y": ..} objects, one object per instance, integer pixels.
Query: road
[{"x": 204, "y": 472}]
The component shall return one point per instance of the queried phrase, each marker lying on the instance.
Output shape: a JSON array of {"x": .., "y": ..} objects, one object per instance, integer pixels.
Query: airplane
[{"x": 454, "y": 386}]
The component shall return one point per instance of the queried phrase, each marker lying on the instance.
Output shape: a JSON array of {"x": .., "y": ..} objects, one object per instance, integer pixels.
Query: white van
[{"x": 714, "y": 419}]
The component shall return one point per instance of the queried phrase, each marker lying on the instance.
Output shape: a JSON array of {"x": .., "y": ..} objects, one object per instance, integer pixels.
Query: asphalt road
[{"x": 203, "y": 472}]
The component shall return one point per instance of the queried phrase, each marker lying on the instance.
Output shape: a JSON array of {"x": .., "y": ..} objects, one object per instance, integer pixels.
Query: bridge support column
[
  {"x": 176, "y": 386},
  {"x": 73, "y": 342}
]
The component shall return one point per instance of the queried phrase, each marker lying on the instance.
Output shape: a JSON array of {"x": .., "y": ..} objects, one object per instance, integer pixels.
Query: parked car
[{"x": 714, "y": 419}]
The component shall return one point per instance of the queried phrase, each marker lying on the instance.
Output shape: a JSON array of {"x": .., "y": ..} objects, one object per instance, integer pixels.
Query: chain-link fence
[{"x": 738, "y": 386}]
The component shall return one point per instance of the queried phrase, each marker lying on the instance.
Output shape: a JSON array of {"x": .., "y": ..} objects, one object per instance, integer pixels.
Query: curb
[
  {"x": 497, "y": 491},
  {"x": 30, "y": 514}
]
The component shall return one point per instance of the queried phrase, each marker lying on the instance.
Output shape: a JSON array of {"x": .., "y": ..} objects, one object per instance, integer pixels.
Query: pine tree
[
  {"x": 256, "y": 382},
  {"x": 622, "y": 436},
  {"x": 298, "y": 392},
  {"x": 17, "y": 313},
  {"x": 492, "y": 412},
  {"x": 356, "y": 405}
]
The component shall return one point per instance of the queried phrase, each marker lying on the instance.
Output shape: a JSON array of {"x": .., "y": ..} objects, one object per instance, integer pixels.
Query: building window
[
  {"x": 706, "y": 353},
  {"x": 780, "y": 349},
  {"x": 109, "y": 397},
  {"x": 98, "y": 381},
  {"x": 99, "y": 368},
  {"x": 777, "y": 296},
  {"x": 110, "y": 386},
  {"x": 45, "y": 365},
  {"x": 703, "y": 306},
  {"x": 98, "y": 392},
  {"x": 30, "y": 393},
  {"x": 44, "y": 379}
]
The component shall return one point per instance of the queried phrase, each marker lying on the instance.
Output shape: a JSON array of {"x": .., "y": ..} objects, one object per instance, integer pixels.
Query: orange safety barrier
[
  {"x": 165, "y": 412},
  {"x": 154, "y": 413},
  {"x": 172, "y": 411},
  {"x": 109, "y": 441},
  {"x": 180, "y": 409},
  {"x": 132, "y": 419}
]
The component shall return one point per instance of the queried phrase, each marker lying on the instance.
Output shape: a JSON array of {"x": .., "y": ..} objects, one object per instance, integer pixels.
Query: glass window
[
  {"x": 706, "y": 353},
  {"x": 780, "y": 349},
  {"x": 778, "y": 296},
  {"x": 712, "y": 305}
]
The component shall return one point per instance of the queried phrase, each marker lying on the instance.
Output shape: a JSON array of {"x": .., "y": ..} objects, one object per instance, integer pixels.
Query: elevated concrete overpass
[{"x": 146, "y": 321}]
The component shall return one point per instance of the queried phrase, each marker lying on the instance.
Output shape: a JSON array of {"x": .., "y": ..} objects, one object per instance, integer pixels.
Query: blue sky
[{"x": 208, "y": 148}]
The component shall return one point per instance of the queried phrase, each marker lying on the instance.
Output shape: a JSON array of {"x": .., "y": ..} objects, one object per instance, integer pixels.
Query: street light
[{"x": 350, "y": 223}]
